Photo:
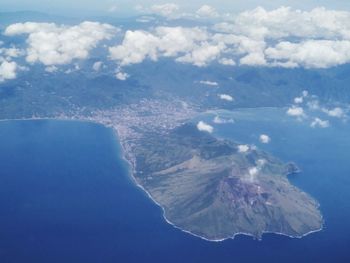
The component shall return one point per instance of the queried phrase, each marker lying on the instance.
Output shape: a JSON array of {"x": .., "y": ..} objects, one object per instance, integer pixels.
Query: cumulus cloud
[
  {"x": 52, "y": 44},
  {"x": 166, "y": 10},
  {"x": 314, "y": 105},
  {"x": 298, "y": 100},
  {"x": 97, "y": 65},
  {"x": 188, "y": 45},
  {"x": 253, "y": 171},
  {"x": 296, "y": 111},
  {"x": 317, "y": 122},
  {"x": 243, "y": 148},
  {"x": 283, "y": 37},
  {"x": 7, "y": 70},
  {"x": 51, "y": 69},
  {"x": 122, "y": 75},
  {"x": 136, "y": 47},
  {"x": 264, "y": 138},
  {"x": 202, "y": 126},
  {"x": 202, "y": 55},
  {"x": 285, "y": 22},
  {"x": 10, "y": 53},
  {"x": 225, "y": 97},
  {"x": 336, "y": 112},
  {"x": 254, "y": 59},
  {"x": 227, "y": 61},
  {"x": 321, "y": 37},
  {"x": 207, "y": 11},
  {"x": 311, "y": 53}
]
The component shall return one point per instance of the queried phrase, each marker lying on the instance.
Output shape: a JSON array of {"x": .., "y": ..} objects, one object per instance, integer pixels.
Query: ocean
[{"x": 66, "y": 195}]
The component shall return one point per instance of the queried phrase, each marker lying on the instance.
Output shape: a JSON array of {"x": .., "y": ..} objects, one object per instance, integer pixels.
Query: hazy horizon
[{"x": 129, "y": 8}]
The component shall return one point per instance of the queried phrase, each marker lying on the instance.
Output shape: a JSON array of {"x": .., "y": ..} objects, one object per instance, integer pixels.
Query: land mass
[
  {"x": 205, "y": 185},
  {"x": 210, "y": 189}
]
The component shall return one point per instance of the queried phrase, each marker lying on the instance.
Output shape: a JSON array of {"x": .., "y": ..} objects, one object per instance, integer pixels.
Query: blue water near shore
[{"x": 66, "y": 196}]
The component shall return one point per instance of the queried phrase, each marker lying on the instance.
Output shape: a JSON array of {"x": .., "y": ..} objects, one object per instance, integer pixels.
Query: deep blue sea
[{"x": 66, "y": 196}]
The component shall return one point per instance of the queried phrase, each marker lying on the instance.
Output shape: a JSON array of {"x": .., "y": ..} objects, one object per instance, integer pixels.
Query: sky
[{"x": 127, "y": 7}]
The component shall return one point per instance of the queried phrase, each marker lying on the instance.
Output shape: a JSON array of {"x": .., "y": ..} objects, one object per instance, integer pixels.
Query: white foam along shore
[{"x": 132, "y": 171}]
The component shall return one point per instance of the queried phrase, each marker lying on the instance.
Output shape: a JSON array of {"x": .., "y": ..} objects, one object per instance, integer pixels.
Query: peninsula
[{"x": 204, "y": 185}]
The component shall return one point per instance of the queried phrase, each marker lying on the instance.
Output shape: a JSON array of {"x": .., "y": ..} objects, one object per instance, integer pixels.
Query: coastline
[{"x": 132, "y": 170}]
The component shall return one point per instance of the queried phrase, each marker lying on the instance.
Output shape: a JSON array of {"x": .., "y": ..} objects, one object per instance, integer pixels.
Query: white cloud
[
  {"x": 136, "y": 47},
  {"x": 225, "y": 97},
  {"x": 295, "y": 111},
  {"x": 243, "y": 148},
  {"x": 264, "y": 138},
  {"x": 311, "y": 53},
  {"x": 97, "y": 65},
  {"x": 305, "y": 93},
  {"x": 219, "y": 120},
  {"x": 122, "y": 75},
  {"x": 314, "y": 105},
  {"x": 283, "y": 37},
  {"x": 253, "y": 171},
  {"x": 202, "y": 55},
  {"x": 209, "y": 83},
  {"x": 298, "y": 100},
  {"x": 51, "y": 44},
  {"x": 7, "y": 70},
  {"x": 202, "y": 126},
  {"x": 11, "y": 52},
  {"x": 317, "y": 122},
  {"x": 286, "y": 22},
  {"x": 336, "y": 112},
  {"x": 321, "y": 37},
  {"x": 187, "y": 44},
  {"x": 166, "y": 10},
  {"x": 227, "y": 62},
  {"x": 207, "y": 11},
  {"x": 253, "y": 147},
  {"x": 254, "y": 59},
  {"x": 51, "y": 69}
]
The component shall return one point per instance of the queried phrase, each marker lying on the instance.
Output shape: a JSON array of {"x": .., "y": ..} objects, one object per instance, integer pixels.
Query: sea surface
[{"x": 66, "y": 195}]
